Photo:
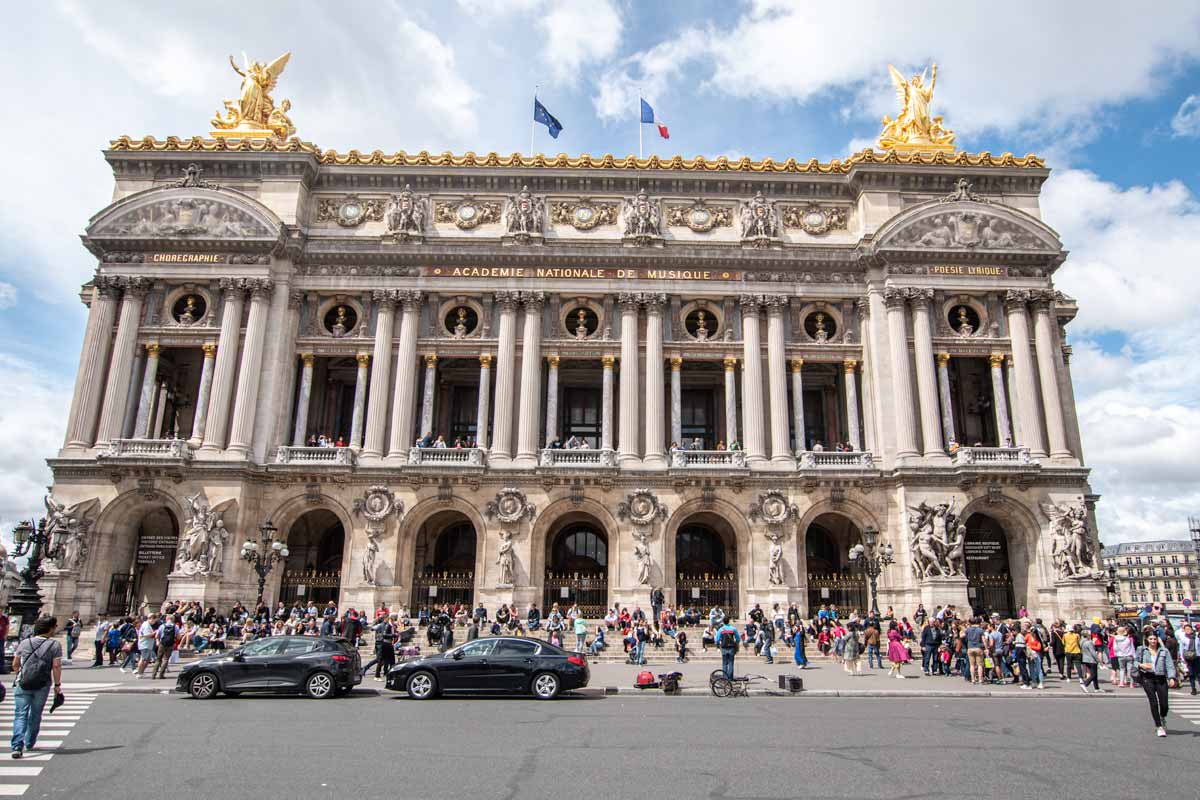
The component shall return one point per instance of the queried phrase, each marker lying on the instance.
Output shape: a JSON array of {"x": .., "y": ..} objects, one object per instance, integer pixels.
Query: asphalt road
[{"x": 363, "y": 746}]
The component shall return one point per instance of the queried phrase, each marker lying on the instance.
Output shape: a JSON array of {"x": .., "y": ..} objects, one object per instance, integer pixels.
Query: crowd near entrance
[
  {"x": 831, "y": 581},
  {"x": 444, "y": 561},
  {"x": 706, "y": 564},
  {"x": 577, "y": 566},
  {"x": 313, "y": 570},
  {"x": 989, "y": 579}
]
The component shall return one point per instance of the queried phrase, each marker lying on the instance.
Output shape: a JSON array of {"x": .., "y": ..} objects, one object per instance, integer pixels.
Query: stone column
[
  {"x": 677, "y": 402},
  {"x": 606, "y": 404},
  {"x": 777, "y": 380},
  {"x": 852, "y": 423},
  {"x": 149, "y": 380},
  {"x": 112, "y": 414},
  {"x": 551, "y": 399},
  {"x": 752, "y": 399},
  {"x": 377, "y": 399},
  {"x": 241, "y": 435},
  {"x": 1000, "y": 401},
  {"x": 129, "y": 421},
  {"x": 798, "y": 402},
  {"x": 506, "y": 367},
  {"x": 1027, "y": 399},
  {"x": 360, "y": 401},
  {"x": 902, "y": 392},
  {"x": 628, "y": 447},
  {"x": 943, "y": 379},
  {"x": 485, "y": 393},
  {"x": 731, "y": 419},
  {"x": 234, "y": 292},
  {"x": 405, "y": 380},
  {"x": 1043, "y": 330},
  {"x": 202, "y": 395},
  {"x": 529, "y": 422},
  {"x": 93, "y": 360},
  {"x": 1014, "y": 419},
  {"x": 655, "y": 413},
  {"x": 427, "y": 397},
  {"x": 299, "y": 437},
  {"x": 931, "y": 429},
  {"x": 160, "y": 412}
]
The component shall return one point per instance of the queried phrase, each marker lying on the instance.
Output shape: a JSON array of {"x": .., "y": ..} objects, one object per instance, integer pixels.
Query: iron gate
[
  {"x": 706, "y": 591},
  {"x": 847, "y": 592},
  {"x": 588, "y": 591}
]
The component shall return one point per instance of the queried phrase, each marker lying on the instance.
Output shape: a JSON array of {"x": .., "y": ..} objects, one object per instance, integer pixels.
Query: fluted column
[
  {"x": 299, "y": 436},
  {"x": 777, "y": 380},
  {"x": 234, "y": 292},
  {"x": 529, "y": 425},
  {"x": 1030, "y": 427},
  {"x": 360, "y": 400},
  {"x": 752, "y": 399},
  {"x": 551, "y": 399},
  {"x": 427, "y": 396},
  {"x": 485, "y": 393},
  {"x": 606, "y": 404},
  {"x": 677, "y": 402},
  {"x": 853, "y": 426},
  {"x": 731, "y": 418},
  {"x": 628, "y": 435},
  {"x": 506, "y": 366},
  {"x": 129, "y": 421},
  {"x": 112, "y": 414},
  {"x": 405, "y": 380},
  {"x": 931, "y": 424},
  {"x": 200, "y": 420},
  {"x": 655, "y": 412},
  {"x": 943, "y": 378},
  {"x": 1043, "y": 331},
  {"x": 160, "y": 411},
  {"x": 902, "y": 392},
  {"x": 798, "y": 402},
  {"x": 377, "y": 399},
  {"x": 93, "y": 361},
  {"x": 1014, "y": 418},
  {"x": 1000, "y": 401},
  {"x": 149, "y": 380},
  {"x": 241, "y": 435}
]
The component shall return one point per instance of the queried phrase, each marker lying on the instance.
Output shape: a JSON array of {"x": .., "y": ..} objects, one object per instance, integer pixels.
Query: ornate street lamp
[
  {"x": 38, "y": 543},
  {"x": 1114, "y": 589},
  {"x": 871, "y": 559},
  {"x": 263, "y": 554}
]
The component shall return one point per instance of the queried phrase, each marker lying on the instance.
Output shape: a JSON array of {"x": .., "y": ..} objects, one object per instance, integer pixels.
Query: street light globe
[
  {"x": 284, "y": 552},
  {"x": 276, "y": 546}
]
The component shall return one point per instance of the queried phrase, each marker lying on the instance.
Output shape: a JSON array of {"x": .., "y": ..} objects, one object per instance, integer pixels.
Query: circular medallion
[
  {"x": 700, "y": 217},
  {"x": 814, "y": 219},
  {"x": 584, "y": 215},
  {"x": 467, "y": 212},
  {"x": 350, "y": 211}
]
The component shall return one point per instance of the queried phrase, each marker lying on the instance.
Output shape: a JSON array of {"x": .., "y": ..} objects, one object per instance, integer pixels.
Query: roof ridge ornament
[
  {"x": 191, "y": 179},
  {"x": 963, "y": 192}
]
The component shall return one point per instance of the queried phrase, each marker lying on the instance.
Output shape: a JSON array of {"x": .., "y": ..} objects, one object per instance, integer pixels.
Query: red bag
[{"x": 645, "y": 679}]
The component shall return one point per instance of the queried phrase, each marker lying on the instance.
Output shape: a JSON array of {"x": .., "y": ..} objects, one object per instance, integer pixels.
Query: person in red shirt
[{"x": 1033, "y": 654}]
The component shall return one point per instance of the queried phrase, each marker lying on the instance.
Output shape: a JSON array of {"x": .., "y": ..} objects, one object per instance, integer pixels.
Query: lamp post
[
  {"x": 871, "y": 559},
  {"x": 263, "y": 554},
  {"x": 1114, "y": 589},
  {"x": 38, "y": 543}
]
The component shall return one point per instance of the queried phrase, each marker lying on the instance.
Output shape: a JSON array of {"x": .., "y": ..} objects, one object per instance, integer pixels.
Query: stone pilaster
[
  {"x": 1000, "y": 400},
  {"x": 234, "y": 292},
  {"x": 377, "y": 398},
  {"x": 943, "y": 379},
  {"x": 852, "y": 423},
  {"x": 902, "y": 390},
  {"x": 129, "y": 421},
  {"x": 241, "y": 435},
  {"x": 1043, "y": 330},
  {"x": 149, "y": 380},
  {"x": 360, "y": 400},
  {"x": 655, "y": 413},
  {"x": 931, "y": 429},
  {"x": 530, "y": 411},
  {"x": 485, "y": 393},
  {"x": 777, "y": 380},
  {"x": 798, "y": 402},
  {"x": 299, "y": 436},
  {"x": 93, "y": 362},
  {"x": 506, "y": 368},
  {"x": 427, "y": 398},
  {"x": 205, "y": 391},
  {"x": 677, "y": 402},
  {"x": 606, "y": 403},
  {"x": 752, "y": 390},
  {"x": 405, "y": 379},
  {"x": 112, "y": 414},
  {"x": 628, "y": 452}
]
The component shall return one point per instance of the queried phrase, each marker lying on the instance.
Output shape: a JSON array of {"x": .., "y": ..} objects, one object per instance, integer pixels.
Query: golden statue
[
  {"x": 254, "y": 114},
  {"x": 914, "y": 129}
]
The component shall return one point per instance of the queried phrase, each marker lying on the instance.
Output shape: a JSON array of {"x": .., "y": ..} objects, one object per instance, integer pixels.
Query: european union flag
[{"x": 540, "y": 114}]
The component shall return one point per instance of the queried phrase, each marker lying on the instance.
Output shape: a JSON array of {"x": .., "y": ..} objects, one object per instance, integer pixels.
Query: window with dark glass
[
  {"x": 581, "y": 415},
  {"x": 697, "y": 418}
]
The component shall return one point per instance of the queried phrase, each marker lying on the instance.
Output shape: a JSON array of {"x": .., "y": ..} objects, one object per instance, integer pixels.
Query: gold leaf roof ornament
[
  {"x": 915, "y": 129},
  {"x": 254, "y": 114}
]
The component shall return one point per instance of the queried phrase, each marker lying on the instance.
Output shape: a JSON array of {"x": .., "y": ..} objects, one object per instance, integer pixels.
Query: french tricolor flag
[{"x": 648, "y": 118}]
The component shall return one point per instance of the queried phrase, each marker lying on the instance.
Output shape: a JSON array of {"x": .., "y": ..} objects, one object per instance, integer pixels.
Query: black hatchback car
[
  {"x": 495, "y": 665},
  {"x": 319, "y": 667}
]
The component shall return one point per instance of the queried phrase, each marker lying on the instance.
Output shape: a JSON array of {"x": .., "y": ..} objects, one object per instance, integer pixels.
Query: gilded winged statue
[
  {"x": 254, "y": 111},
  {"x": 914, "y": 127}
]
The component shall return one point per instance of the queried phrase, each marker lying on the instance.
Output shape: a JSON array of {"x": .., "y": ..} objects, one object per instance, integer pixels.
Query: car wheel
[
  {"x": 545, "y": 686},
  {"x": 203, "y": 686},
  {"x": 421, "y": 686},
  {"x": 319, "y": 685}
]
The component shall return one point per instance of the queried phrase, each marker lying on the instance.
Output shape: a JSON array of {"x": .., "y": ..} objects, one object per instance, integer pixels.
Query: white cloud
[
  {"x": 33, "y": 413},
  {"x": 1186, "y": 121},
  {"x": 579, "y": 34},
  {"x": 8, "y": 295}
]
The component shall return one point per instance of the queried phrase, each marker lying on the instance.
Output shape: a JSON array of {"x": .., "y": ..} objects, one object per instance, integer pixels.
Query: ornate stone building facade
[{"x": 762, "y": 360}]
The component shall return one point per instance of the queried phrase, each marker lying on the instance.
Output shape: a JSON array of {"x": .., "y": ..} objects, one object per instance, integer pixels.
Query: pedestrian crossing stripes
[
  {"x": 1185, "y": 708},
  {"x": 14, "y": 774}
]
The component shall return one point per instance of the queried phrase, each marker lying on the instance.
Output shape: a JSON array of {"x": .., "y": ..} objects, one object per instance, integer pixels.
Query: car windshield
[{"x": 479, "y": 647}]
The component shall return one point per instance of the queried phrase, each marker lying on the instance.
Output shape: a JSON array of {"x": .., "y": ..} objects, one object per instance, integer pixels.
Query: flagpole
[{"x": 533, "y": 122}]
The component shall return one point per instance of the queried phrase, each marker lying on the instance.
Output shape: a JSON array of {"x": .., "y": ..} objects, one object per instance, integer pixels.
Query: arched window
[
  {"x": 454, "y": 550},
  {"x": 699, "y": 551},
  {"x": 579, "y": 549}
]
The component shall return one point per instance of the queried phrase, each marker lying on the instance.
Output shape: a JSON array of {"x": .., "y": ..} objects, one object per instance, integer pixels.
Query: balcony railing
[
  {"x": 447, "y": 457},
  {"x": 976, "y": 456},
  {"x": 708, "y": 459},
  {"x": 332, "y": 456},
  {"x": 577, "y": 458},
  {"x": 832, "y": 459},
  {"x": 157, "y": 449}
]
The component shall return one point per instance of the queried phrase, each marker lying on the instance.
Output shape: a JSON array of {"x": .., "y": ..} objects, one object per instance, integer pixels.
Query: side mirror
[
  {"x": 458, "y": 654},
  {"x": 238, "y": 656}
]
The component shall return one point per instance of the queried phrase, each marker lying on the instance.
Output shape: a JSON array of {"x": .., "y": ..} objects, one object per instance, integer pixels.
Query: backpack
[
  {"x": 35, "y": 671},
  {"x": 727, "y": 640},
  {"x": 167, "y": 635}
]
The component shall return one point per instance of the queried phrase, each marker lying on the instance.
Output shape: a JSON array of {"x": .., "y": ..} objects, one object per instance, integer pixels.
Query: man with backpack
[
  {"x": 165, "y": 637},
  {"x": 37, "y": 663},
  {"x": 728, "y": 641}
]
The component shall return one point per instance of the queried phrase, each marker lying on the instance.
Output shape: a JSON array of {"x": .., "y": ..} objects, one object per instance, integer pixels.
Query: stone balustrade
[
  {"x": 447, "y": 457},
  {"x": 156, "y": 449},
  {"x": 332, "y": 456},
  {"x": 833, "y": 460},
  {"x": 577, "y": 458},
  {"x": 985, "y": 456},
  {"x": 708, "y": 459}
]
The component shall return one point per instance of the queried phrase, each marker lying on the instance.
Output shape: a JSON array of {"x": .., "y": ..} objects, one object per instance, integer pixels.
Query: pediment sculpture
[
  {"x": 1070, "y": 542},
  {"x": 967, "y": 229},
  {"x": 69, "y": 530},
  {"x": 759, "y": 221},
  {"x": 193, "y": 216},
  {"x": 640, "y": 219},
  {"x": 524, "y": 215}
]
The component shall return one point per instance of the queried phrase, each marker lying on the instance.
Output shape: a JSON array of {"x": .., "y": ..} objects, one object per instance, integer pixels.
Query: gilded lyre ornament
[
  {"x": 914, "y": 129},
  {"x": 254, "y": 114}
]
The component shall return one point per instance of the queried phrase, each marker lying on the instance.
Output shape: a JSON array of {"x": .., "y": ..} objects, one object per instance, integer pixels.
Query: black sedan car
[
  {"x": 319, "y": 667},
  {"x": 495, "y": 665}
]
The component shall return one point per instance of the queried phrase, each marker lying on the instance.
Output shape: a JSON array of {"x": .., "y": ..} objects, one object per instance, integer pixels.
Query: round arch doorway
[
  {"x": 831, "y": 581},
  {"x": 989, "y": 578},
  {"x": 577, "y": 567},
  {"x": 150, "y": 556},
  {"x": 313, "y": 570},
  {"x": 444, "y": 562},
  {"x": 706, "y": 565}
]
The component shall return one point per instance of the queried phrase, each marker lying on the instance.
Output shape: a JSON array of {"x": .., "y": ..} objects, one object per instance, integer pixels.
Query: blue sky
[{"x": 1108, "y": 95}]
